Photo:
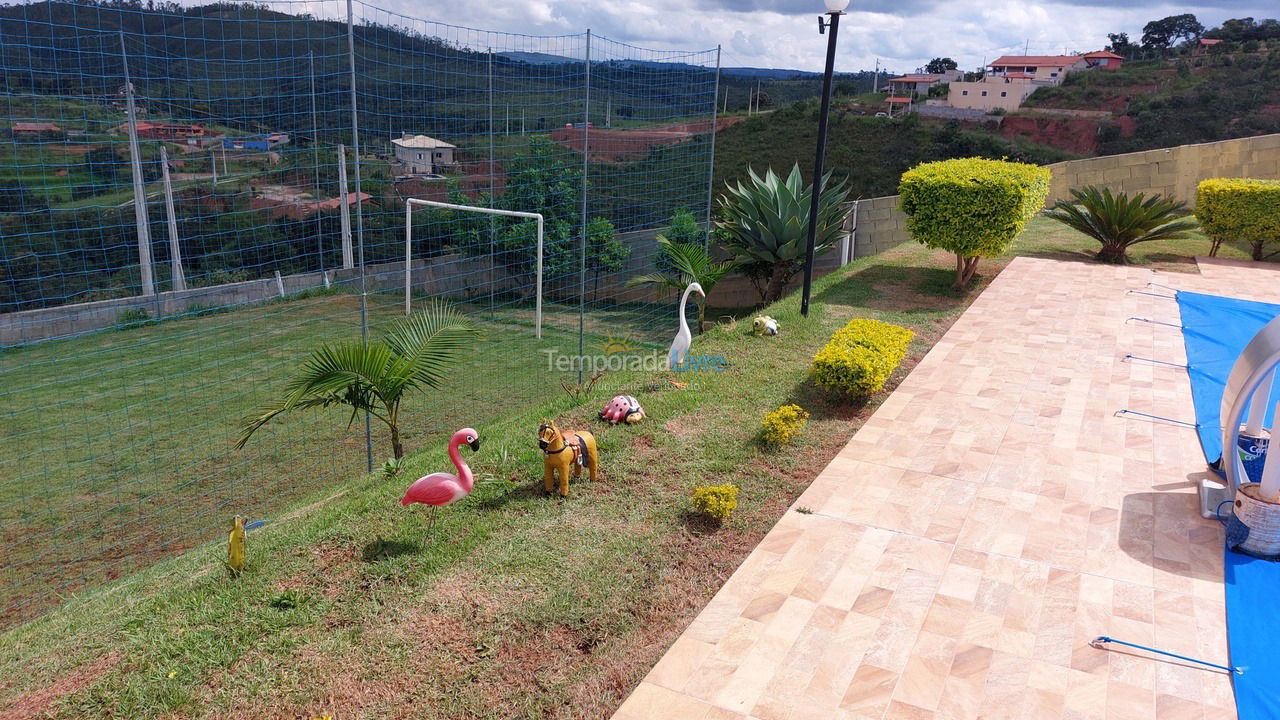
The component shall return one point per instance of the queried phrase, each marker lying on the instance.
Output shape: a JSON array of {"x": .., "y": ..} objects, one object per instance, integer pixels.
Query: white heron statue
[{"x": 684, "y": 338}]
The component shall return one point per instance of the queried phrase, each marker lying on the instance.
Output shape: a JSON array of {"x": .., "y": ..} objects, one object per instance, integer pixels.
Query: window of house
[
  {"x": 984, "y": 93},
  {"x": 964, "y": 92},
  {"x": 419, "y": 156},
  {"x": 1003, "y": 94},
  {"x": 1053, "y": 74},
  {"x": 1103, "y": 61}
]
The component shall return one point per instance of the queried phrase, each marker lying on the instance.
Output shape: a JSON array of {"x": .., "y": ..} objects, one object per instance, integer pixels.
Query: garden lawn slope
[{"x": 520, "y": 606}]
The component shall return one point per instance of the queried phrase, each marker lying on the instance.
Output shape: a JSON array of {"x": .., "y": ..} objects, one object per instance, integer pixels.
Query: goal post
[{"x": 408, "y": 247}]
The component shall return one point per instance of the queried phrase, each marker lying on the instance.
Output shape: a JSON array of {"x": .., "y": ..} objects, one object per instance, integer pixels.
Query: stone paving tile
[{"x": 991, "y": 518}]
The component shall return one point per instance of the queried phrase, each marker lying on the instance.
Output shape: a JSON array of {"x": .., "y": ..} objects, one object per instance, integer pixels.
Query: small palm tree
[
  {"x": 1120, "y": 222},
  {"x": 374, "y": 377},
  {"x": 689, "y": 262}
]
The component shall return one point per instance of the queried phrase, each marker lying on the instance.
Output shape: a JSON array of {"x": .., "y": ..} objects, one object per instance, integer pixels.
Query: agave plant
[
  {"x": 765, "y": 223},
  {"x": 375, "y": 377},
  {"x": 689, "y": 262},
  {"x": 1120, "y": 222}
]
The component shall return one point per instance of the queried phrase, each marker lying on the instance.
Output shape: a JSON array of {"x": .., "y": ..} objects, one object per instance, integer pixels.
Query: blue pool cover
[
  {"x": 1251, "y": 587},
  {"x": 1215, "y": 330}
]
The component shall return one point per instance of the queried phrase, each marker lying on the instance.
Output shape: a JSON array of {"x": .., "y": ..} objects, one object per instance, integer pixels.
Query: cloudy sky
[{"x": 783, "y": 33}]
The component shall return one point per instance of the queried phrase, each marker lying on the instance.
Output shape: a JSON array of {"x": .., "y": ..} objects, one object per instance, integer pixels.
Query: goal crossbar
[{"x": 408, "y": 247}]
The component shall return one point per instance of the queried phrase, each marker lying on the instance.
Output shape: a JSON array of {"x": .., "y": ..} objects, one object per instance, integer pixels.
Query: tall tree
[
  {"x": 941, "y": 65},
  {"x": 1122, "y": 45},
  {"x": 1162, "y": 34}
]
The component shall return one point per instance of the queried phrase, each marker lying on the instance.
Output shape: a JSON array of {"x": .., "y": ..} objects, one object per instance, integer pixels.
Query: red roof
[
  {"x": 897, "y": 100},
  {"x": 332, "y": 204},
  {"x": 35, "y": 127},
  {"x": 1103, "y": 54},
  {"x": 914, "y": 79},
  {"x": 1210, "y": 41},
  {"x": 1036, "y": 60}
]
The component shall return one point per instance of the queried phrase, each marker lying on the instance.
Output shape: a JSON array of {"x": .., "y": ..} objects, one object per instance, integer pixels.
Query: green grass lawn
[{"x": 520, "y": 606}]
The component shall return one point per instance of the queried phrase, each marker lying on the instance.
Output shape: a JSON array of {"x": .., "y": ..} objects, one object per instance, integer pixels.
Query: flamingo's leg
[{"x": 431, "y": 523}]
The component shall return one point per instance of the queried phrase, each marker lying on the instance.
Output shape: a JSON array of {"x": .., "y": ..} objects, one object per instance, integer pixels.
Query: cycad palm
[
  {"x": 690, "y": 262},
  {"x": 1120, "y": 222},
  {"x": 375, "y": 376}
]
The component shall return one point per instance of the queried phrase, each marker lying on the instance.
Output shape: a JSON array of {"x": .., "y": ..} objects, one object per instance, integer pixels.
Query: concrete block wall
[{"x": 1171, "y": 171}]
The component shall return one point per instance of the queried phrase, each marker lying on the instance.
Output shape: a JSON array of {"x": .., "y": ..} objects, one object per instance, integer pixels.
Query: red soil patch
[
  {"x": 38, "y": 703},
  {"x": 608, "y": 145}
]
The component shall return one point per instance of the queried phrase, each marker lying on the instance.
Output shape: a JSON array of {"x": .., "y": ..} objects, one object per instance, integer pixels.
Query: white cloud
[{"x": 903, "y": 34}]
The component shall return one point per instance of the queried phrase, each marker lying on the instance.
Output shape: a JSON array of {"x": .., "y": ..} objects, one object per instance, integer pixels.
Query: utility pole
[
  {"x": 139, "y": 195},
  {"x": 875, "y": 79},
  {"x": 175, "y": 252}
]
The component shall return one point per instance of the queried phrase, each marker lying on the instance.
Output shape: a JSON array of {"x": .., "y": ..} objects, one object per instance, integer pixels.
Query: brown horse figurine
[{"x": 564, "y": 450}]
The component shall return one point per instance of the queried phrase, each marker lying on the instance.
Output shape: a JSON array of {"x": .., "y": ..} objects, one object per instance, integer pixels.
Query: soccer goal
[{"x": 408, "y": 248}]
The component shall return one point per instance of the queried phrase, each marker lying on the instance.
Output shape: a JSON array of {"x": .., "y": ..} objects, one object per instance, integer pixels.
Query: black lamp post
[{"x": 835, "y": 8}]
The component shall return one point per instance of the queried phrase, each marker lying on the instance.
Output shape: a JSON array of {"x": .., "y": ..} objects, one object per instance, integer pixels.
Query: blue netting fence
[{"x": 193, "y": 198}]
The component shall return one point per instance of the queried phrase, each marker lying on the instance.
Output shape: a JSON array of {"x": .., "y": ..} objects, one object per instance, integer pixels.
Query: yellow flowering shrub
[
  {"x": 860, "y": 357},
  {"x": 716, "y": 501},
  {"x": 1239, "y": 209},
  {"x": 781, "y": 426}
]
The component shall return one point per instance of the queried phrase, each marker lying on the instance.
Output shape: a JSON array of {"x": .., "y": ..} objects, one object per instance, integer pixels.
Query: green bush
[
  {"x": 781, "y": 426},
  {"x": 1240, "y": 209},
  {"x": 860, "y": 357},
  {"x": 972, "y": 207},
  {"x": 716, "y": 501}
]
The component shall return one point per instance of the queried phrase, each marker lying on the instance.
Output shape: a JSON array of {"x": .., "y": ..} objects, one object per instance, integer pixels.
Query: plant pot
[{"x": 1254, "y": 527}]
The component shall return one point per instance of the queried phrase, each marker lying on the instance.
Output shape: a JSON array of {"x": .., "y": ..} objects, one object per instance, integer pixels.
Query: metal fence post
[
  {"x": 364, "y": 284},
  {"x": 711, "y": 166},
  {"x": 582, "y": 243}
]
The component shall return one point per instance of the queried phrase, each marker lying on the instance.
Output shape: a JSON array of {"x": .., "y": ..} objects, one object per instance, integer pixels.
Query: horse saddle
[{"x": 579, "y": 446}]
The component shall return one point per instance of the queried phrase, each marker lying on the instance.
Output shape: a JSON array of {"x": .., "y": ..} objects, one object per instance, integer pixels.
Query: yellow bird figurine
[{"x": 235, "y": 546}]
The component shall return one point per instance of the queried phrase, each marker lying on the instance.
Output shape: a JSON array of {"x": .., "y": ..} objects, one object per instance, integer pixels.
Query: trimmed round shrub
[
  {"x": 860, "y": 357},
  {"x": 972, "y": 207},
  {"x": 1239, "y": 209}
]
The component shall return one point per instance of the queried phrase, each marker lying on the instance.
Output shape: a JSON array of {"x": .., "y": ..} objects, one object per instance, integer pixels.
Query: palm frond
[{"x": 430, "y": 341}]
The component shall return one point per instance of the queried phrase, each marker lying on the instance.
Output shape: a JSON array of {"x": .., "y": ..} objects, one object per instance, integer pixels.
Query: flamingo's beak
[{"x": 475, "y": 445}]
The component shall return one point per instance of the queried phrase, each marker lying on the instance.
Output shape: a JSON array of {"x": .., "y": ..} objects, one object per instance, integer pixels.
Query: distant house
[
  {"x": 919, "y": 83},
  {"x": 255, "y": 142},
  {"x": 1043, "y": 69},
  {"x": 1103, "y": 60},
  {"x": 163, "y": 130},
  {"x": 1206, "y": 45},
  {"x": 895, "y": 106},
  {"x": 36, "y": 129},
  {"x": 993, "y": 92},
  {"x": 423, "y": 155}
]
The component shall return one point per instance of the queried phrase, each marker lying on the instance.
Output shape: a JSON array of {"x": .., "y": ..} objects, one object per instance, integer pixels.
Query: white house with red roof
[
  {"x": 920, "y": 83},
  {"x": 1044, "y": 69}
]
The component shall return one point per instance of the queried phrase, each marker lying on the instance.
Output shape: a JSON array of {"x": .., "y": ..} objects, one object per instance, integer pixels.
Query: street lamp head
[{"x": 836, "y": 6}]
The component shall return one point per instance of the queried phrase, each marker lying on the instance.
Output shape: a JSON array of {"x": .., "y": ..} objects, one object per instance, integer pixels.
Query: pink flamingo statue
[{"x": 440, "y": 489}]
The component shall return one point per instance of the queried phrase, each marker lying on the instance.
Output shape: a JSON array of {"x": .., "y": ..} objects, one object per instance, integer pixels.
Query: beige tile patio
[{"x": 991, "y": 518}]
